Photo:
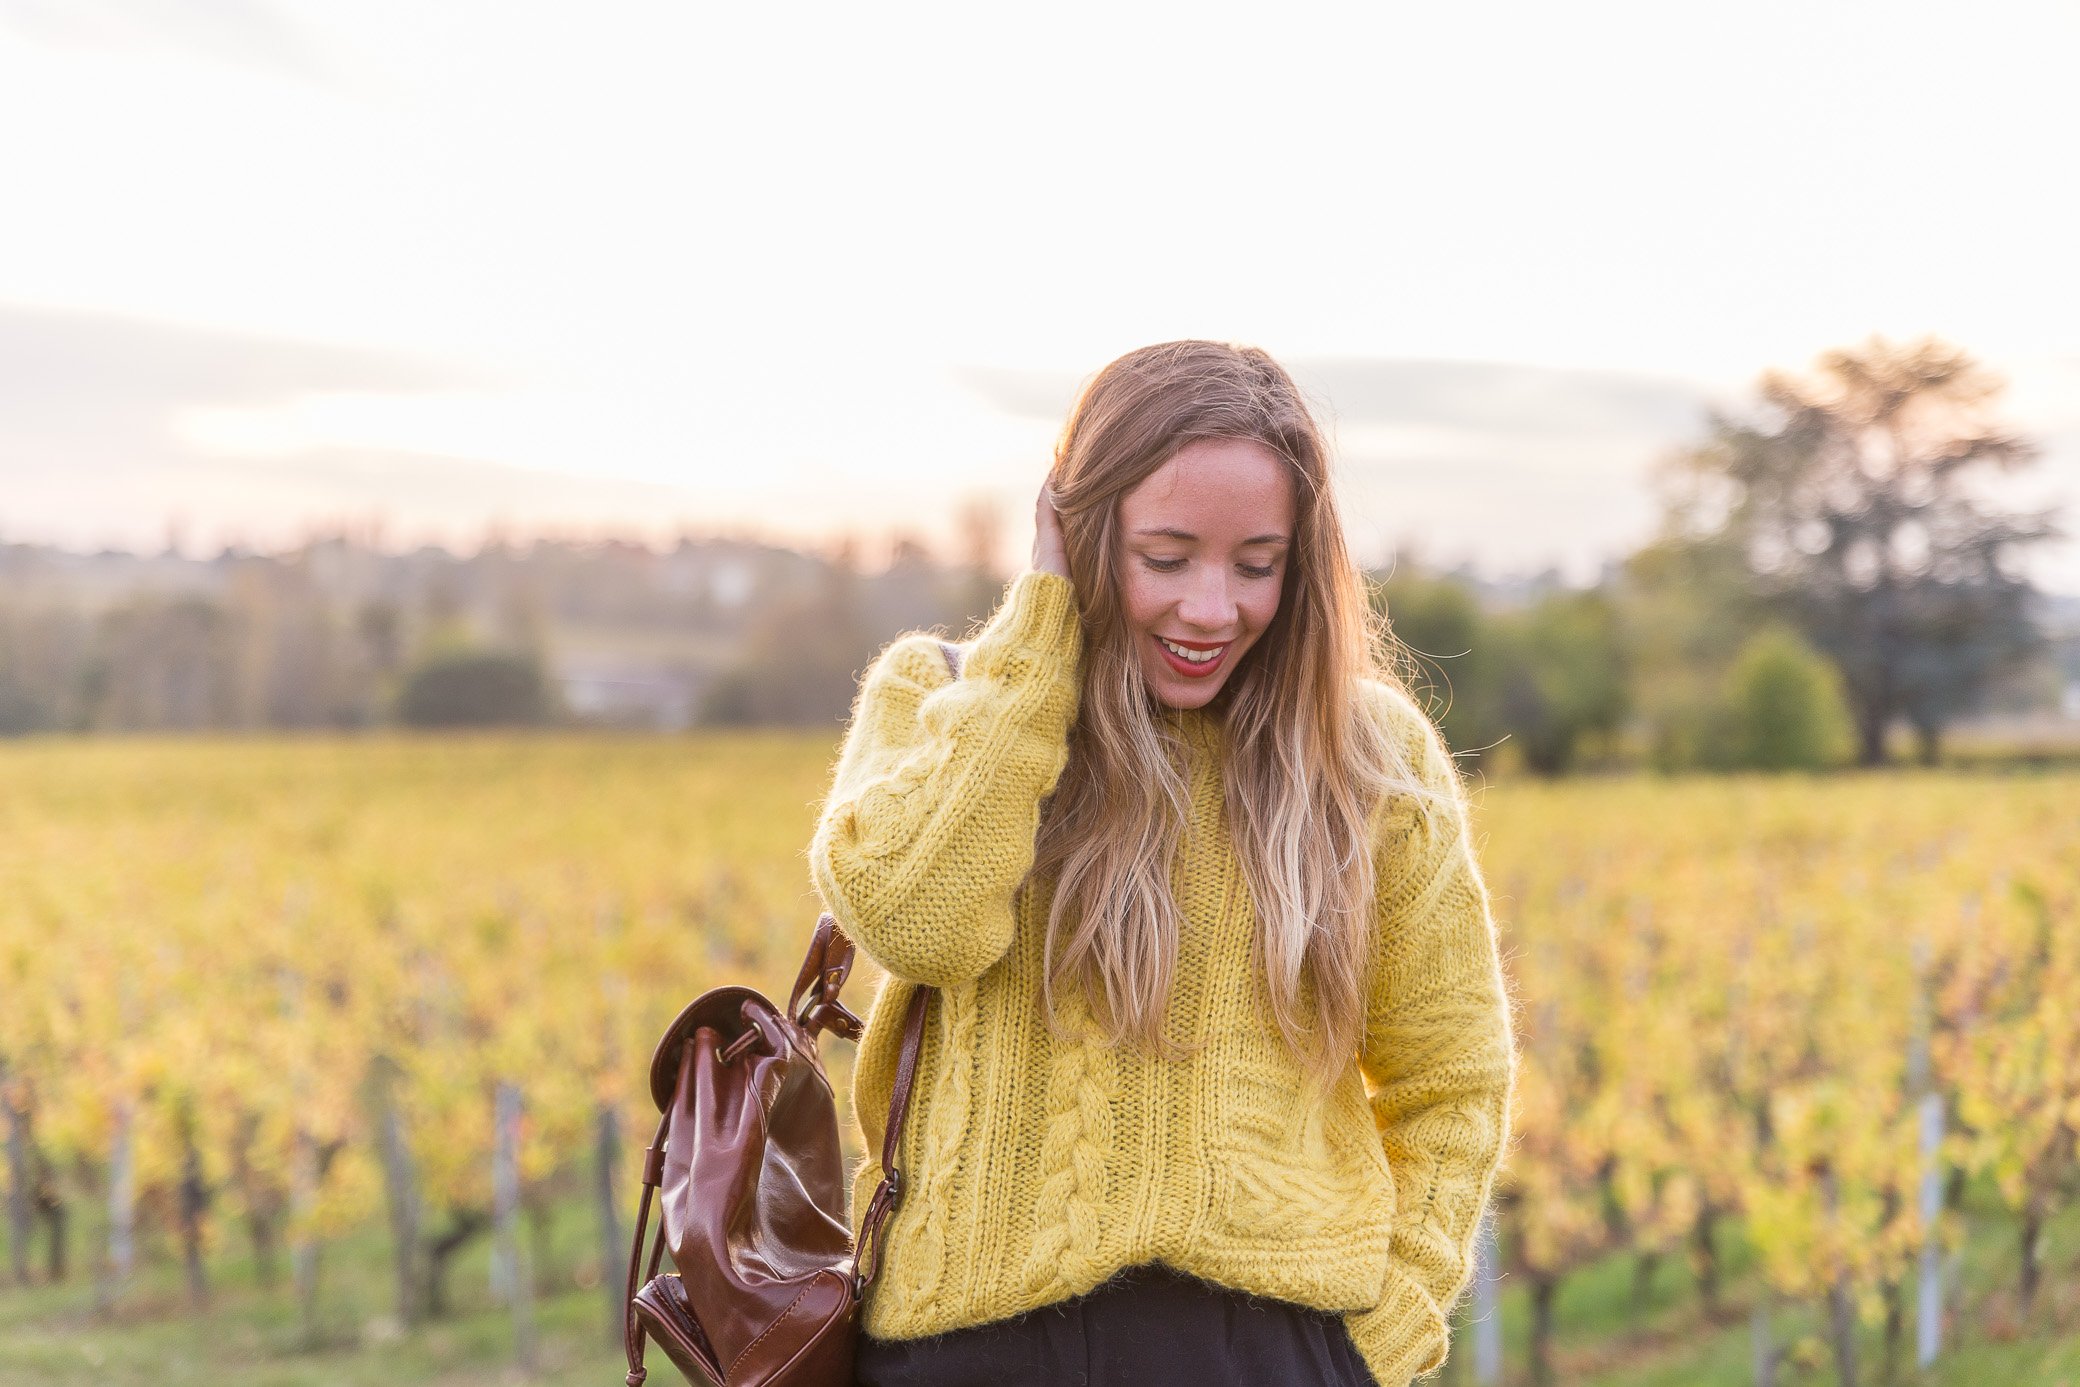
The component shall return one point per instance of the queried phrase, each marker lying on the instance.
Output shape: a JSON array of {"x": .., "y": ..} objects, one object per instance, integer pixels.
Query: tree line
[{"x": 1828, "y": 567}]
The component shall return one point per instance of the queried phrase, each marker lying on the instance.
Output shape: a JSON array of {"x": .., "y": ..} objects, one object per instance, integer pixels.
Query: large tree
[{"x": 1856, "y": 500}]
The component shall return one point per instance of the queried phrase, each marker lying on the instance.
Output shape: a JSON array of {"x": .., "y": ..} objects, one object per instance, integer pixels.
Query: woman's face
[{"x": 1205, "y": 539}]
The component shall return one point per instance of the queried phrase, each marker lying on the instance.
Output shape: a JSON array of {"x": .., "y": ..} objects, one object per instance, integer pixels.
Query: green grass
[
  {"x": 249, "y": 1337},
  {"x": 1671, "y": 1343}
]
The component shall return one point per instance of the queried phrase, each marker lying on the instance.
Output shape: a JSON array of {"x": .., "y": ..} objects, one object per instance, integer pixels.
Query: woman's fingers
[{"x": 1050, "y": 550}]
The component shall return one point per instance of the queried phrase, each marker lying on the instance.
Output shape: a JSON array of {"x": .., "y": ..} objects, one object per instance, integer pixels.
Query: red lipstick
[{"x": 1186, "y": 667}]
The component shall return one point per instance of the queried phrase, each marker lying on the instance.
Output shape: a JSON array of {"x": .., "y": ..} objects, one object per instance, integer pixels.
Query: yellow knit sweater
[{"x": 1035, "y": 1168}]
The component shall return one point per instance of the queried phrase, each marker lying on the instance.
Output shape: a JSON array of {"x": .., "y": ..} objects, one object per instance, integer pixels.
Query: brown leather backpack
[{"x": 750, "y": 1183}]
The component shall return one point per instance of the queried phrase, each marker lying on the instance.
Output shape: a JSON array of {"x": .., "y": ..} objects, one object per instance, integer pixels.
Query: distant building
[{"x": 628, "y": 694}]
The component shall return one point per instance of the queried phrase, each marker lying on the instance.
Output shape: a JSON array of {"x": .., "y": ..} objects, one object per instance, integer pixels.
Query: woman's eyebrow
[{"x": 1172, "y": 532}]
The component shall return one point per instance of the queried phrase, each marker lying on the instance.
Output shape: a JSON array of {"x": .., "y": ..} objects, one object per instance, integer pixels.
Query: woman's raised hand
[{"x": 1050, "y": 550}]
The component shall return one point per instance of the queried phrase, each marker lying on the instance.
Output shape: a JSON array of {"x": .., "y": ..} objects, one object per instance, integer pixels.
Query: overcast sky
[{"x": 799, "y": 268}]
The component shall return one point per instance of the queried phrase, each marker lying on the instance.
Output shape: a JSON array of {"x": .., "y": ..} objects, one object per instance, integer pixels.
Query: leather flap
[{"x": 720, "y": 1008}]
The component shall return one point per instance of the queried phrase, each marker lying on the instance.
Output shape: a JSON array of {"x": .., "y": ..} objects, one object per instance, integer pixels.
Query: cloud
[
  {"x": 1485, "y": 397},
  {"x": 423, "y": 495},
  {"x": 1503, "y": 463},
  {"x": 93, "y": 448},
  {"x": 99, "y": 446},
  {"x": 84, "y": 388},
  {"x": 1502, "y": 398},
  {"x": 1041, "y": 395},
  {"x": 1488, "y": 398},
  {"x": 244, "y": 33},
  {"x": 110, "y": 427}
]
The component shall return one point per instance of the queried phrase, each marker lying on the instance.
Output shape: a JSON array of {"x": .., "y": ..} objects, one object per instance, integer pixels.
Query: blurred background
[{"x": 455, "y": 461}]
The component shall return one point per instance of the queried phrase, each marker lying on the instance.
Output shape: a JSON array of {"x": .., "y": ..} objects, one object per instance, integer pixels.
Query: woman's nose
[{"x": 1209, "y": 605}]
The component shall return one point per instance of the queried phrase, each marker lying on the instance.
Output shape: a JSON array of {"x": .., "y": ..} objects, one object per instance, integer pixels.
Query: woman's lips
[{"x": 1186, "y": 667}]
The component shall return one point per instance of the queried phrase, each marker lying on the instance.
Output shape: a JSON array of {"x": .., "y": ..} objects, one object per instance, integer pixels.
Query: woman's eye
[{"x": 1172, "y": 565}]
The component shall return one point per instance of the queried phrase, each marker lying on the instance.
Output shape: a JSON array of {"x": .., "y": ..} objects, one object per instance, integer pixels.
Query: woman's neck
[
  {"x": 1207, "y": 720},
  {"x": 1214, "y": 709}
]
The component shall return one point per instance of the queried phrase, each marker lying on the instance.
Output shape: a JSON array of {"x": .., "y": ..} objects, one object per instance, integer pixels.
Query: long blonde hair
[{"x": 1307, "y": 763}]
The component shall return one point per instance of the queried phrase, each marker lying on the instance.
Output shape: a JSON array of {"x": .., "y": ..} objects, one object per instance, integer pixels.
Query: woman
[{"x": 1220, "y": 1071}]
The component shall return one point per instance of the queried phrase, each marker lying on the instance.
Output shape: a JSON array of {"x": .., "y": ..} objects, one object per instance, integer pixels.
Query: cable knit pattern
[
  {"x": 945, "y": 1130},
  {"x": 1037, "y": 1165},
  {"x": 1075, "y": 1141}
]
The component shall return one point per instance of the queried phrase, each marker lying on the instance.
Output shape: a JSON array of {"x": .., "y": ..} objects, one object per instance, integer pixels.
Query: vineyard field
[
  {"x": 1786, "y": 1042},
  {"x": 251, "y": 1337}
]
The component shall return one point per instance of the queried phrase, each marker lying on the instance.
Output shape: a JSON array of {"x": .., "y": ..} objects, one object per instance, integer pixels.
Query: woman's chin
[{"x": 1182, "y": 695}]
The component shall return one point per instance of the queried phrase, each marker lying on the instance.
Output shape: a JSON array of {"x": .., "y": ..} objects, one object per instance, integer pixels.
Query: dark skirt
[{"x": 1149, "y": 1326}]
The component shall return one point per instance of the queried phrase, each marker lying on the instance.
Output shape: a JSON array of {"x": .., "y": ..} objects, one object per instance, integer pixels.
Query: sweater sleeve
[
  {"x": 929, "y": 825},
  {"x": 1439, "y": 1056}
]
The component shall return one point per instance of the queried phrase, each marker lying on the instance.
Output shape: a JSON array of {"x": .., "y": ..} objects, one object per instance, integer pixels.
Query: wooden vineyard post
[
  {"x": 511, "y": 1277},
  {"x": 1928, "y": 1306}
]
